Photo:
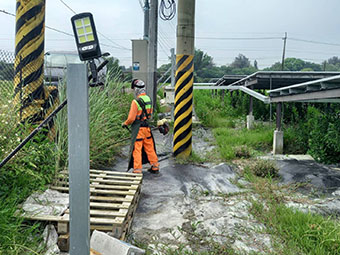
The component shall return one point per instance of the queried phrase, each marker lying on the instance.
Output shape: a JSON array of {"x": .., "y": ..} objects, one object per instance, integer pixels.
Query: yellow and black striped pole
[
  {"x": 184, "y": 78},
  {"x": 29, "y": 59},
  {"x": 183, "y": 105}
]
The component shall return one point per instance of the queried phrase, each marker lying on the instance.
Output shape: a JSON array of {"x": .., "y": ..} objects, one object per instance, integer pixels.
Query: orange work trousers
[{"x": 144, "y": 139}]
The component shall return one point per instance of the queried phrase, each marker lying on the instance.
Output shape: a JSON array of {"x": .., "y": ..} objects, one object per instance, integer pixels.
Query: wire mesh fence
[{"x": 25, "y": 97}]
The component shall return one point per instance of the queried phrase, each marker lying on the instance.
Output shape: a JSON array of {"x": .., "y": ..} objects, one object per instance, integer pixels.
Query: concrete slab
[
  {"x": 102, "y": 243},
  {"x": 50, "y": 202}
]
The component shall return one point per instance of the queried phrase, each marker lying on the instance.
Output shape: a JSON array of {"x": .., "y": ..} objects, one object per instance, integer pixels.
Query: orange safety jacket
[{"x": 136, "y": 110}]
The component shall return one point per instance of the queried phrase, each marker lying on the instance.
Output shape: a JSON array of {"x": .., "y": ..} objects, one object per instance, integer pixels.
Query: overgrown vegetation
[
  {"x": 303, "y": 233},
  {"x": 31, "y": 169},
  {"x": 108, "y": 108},
  {"x": 37, "y": 163},
  {"x": 308, "y": 128},
  {"x": 232, "y": 137},
  {"x": 263, "y": 168}
]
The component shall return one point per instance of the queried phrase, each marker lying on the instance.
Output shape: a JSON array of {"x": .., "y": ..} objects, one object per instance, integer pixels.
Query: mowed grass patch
[{"x": 257, "y": 140}]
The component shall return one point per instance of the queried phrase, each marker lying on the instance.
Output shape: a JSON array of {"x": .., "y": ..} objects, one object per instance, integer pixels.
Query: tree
[
  {"x": 295, "y": 64},
  {"x": 202, "y": 60},
  {"x": 202, "y": 64},
  {"x": 334, "y": 60},
  {"x": 240, "y": 61}
]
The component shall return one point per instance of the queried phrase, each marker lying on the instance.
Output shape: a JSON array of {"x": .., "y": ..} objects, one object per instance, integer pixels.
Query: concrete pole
[
  {"x": 36, "y": 101},
  {"x": 146, "y": 20},
  {"x": 278, "y": 133},
  {"x": 151, "y": 86},
  {"x": 29, "y": 58},
  {"x": 79, "y": 158},
  {"x": 250, "y": 117},
  {"x": 184, "y": 78}
]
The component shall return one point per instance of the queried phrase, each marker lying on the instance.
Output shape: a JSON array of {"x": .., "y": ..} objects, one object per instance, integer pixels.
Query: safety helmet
[{"x": 136, "y": 83}]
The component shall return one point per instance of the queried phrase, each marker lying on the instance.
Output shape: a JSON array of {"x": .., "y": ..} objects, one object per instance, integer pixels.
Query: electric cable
[
  {"x": 167, "y": 9},
  {"x": 141, "y": 5},
  {"x": 239, "y": 38},
  {"x": 118, "y": 45},
  {"x": 315, "y": 42},
  {"x": 67, "y": 6}
]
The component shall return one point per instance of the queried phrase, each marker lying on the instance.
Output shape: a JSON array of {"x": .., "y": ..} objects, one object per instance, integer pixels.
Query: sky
[{"x": 224, "y": 28}]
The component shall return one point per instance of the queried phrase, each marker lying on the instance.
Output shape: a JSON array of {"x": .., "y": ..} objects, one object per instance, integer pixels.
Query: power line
[
  {"x": 11, "y": 14},
  {"x": 118, "y": 45},
  {"x": 315, "y": 42},
  {"x": 69, "y": 34},
  {"x": 67, "y": 6},
  {"x": 141, "y": 5},
  {"x": 239, "y": 38}
]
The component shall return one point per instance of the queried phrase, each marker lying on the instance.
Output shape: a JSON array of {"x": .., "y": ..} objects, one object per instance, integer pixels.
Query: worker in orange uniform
[{"x": 143, "y": 149}]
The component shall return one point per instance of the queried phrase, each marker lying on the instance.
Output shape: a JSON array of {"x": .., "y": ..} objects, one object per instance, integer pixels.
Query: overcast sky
[{"x": 218, "y": 23}]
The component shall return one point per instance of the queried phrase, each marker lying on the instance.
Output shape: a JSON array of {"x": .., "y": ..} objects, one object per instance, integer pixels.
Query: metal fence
[{"x": 25, "y": 97}]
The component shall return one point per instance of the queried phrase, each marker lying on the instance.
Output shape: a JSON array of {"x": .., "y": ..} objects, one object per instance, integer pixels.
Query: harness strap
[{"x": 144, "y": 112}]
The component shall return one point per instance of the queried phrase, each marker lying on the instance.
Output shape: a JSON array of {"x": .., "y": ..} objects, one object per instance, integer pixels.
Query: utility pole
[
  {"x": 151, "y": 85},
  {"x": 173, "y": 66},
  {"x": 29, "y": 58},
  {"x": 146, "y": 19},
  {"x": 284, "y": 52},
  {"x": 184, "y": 78}
]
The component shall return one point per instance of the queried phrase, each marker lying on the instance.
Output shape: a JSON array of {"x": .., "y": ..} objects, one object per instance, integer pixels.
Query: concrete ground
[{"x": 194, "y": 207}]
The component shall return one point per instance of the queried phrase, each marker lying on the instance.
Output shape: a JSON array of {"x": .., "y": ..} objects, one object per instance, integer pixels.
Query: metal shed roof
[
  {"x": 279, "y": 79},
  {"x": 322, "y": 90}
]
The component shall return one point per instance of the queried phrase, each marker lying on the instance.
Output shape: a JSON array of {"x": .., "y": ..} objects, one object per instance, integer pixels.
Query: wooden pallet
[{"x": 113, "y": 200}]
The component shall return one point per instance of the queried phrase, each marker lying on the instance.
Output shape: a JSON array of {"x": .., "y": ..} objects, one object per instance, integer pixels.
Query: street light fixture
[
  {"x": 87, "y": 40},
  {"x": 86, "y": 36}
]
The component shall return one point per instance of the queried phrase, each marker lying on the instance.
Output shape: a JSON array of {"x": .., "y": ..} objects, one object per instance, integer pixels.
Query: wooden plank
[
  {"x": 47, "y": 218},
  {"x": 99, "y": 191},
  {"x": 110, "y": 173},
  {"x": 113, "y": 187},
  {"x": 93, "y": 220},
  {"x": 109, "y": 205},
  {"x": 119, "y": 182},
  {"x": 64, "y": 242},
  {"x": 111, "y": 199},
  {"x": 115, "y": 173},
  {"x": 107, "y": 213},
  {"x": 132, "y": 178}
]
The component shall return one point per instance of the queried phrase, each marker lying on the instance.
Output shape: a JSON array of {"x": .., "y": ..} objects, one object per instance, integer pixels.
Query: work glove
[{"x": 123, "y": 125}]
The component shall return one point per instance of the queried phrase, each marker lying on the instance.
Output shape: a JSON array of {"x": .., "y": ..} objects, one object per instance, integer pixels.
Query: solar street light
[{"x": 86, "y": 36}]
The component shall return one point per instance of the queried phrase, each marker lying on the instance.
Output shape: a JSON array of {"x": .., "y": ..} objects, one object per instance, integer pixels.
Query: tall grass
[
  {"x": 109, "y": 106},
  {"x": 37, "y": 162},
  {"x": 31, "y": 169}
]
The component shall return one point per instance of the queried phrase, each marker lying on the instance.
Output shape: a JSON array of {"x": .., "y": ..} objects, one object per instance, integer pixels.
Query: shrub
[
  {"x": 263, "y": 168},
  {"x": 242, "y": 151},
  {"x": 324, "y": 139}
]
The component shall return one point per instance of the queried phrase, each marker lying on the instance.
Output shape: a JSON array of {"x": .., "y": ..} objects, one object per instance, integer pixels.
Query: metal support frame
[
  {"x": 79, "y": 158},
  {"x": 246, "y": 90}
]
